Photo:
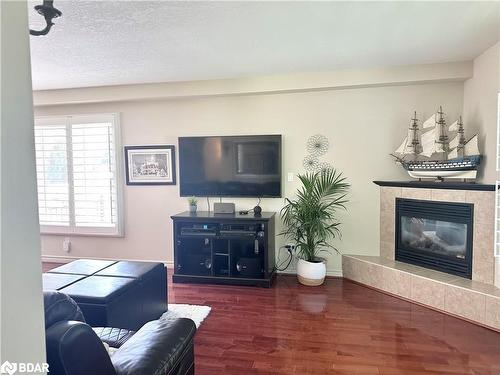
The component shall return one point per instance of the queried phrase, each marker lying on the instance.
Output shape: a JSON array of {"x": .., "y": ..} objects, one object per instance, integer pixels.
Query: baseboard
[
  {"x": 66, "y": 259},
  {"x": 169, "y": 264},
  {"x": 329, "y": 273}
]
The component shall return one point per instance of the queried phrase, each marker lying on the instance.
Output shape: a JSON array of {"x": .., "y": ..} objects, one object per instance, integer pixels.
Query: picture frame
[{"x": 150, "y": 165}]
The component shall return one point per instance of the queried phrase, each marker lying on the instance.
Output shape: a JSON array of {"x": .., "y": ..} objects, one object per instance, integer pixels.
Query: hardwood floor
[{"x": 338, "y": 328}]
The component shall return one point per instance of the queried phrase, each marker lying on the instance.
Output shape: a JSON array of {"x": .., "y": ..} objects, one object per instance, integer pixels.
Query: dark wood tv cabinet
[{"x": 224, "y": 248}]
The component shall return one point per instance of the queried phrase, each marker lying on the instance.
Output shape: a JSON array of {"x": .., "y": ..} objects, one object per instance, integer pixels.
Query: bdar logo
[{"x": 8, "y": 368}]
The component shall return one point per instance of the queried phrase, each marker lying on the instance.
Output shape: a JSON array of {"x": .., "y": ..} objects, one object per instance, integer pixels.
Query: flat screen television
[{"x": 230, "y": 166}]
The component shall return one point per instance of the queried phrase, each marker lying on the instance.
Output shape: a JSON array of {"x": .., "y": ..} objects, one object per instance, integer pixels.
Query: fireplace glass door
[{"x": 435, "y": 235}]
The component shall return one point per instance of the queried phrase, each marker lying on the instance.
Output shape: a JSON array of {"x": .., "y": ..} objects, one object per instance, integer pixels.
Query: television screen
[{"x": 236, "y": 166}]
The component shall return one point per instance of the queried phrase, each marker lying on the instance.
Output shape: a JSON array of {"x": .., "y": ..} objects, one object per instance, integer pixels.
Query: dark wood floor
[{"x": 338, "y": 328}]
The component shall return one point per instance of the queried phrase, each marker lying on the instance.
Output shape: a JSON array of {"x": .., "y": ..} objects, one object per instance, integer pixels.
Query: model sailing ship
[{"x": 430, "y": 154}]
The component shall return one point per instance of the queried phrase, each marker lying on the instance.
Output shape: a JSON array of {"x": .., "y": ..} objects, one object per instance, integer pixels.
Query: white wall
[
  {"x": 22, "y": 321},
  {"x": 363, "y": 124},
  {"x": 481, "y": 113},
  {"x": 480, "y": 107}
]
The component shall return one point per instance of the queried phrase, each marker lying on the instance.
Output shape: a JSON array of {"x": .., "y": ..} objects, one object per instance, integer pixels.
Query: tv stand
[{"x": 224, "y": 248}]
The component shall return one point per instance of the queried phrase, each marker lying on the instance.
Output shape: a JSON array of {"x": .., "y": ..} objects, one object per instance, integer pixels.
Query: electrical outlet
[
  {"x": 290, "y": 176},
  {"x": 67, "y": 245}
]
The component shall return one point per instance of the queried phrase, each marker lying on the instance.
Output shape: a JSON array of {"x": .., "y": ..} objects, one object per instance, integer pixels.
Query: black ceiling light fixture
[{"x": 48, "y": 11}]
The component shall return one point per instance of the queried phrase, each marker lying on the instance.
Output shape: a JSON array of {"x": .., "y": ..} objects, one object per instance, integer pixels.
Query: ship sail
[
  {"x": 429, "y": 143},
  {"x": 453, "y": 154},
  {"x": 439, "y": 147},
  {"x": 471, "y": 147},
  {"x": 411, "y": 143},
  {"x": 430, "y": 122},
  {"x": 453, "y": 128},
  {"x": 406, "y": 148},
  {"x": 454, "y": 142},
  {"x": 401, "y": 149}
]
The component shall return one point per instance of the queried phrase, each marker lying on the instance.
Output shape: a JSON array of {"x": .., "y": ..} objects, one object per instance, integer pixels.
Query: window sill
[
  {"x": 87, "y": 233},
  {"x": 61, "y": 234}
]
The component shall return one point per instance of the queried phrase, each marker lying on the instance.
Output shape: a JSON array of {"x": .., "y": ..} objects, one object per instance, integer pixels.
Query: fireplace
[{"x": 435, "y": 235}]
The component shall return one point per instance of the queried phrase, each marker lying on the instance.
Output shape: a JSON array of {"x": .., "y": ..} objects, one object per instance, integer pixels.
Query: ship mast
[
  {"x": 461, "y": 138},
  {"x": 415, "y": 143},
  {"x": 443, "y": 135}
]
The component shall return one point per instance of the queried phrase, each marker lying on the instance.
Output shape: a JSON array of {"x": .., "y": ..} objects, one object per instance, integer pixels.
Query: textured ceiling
[{"x": 97, "y": 43}]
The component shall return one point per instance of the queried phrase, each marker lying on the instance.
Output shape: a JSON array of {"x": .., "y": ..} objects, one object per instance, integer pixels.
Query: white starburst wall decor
[{"x": 317, "y": 145}]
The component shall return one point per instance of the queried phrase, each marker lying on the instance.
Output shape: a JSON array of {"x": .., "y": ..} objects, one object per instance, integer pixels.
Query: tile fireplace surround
[{"x": 476, "y": 300}]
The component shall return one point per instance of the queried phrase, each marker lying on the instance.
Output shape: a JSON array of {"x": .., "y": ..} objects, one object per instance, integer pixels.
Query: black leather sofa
[{"x": 74, "y": 348}]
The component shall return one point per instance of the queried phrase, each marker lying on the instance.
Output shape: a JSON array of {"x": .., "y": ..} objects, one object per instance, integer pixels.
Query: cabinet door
[
  {"x": 194, "y": 256},
  {"x": 247, "y": 258}
]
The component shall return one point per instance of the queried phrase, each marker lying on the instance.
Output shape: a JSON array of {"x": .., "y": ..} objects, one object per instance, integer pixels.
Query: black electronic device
[
  {"x": 246, "y": 230},
  {"x": 240, "y": 227},
  {"x": 202, "y": 230},
  {"x": 249, "y": 267},
  {"x": 230, "y": 166}
]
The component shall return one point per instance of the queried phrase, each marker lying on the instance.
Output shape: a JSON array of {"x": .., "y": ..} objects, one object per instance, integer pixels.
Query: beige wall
[
  {"x": 480, "y": 107},
  {"x": 22, "y": 321},
  {"x": 481, "y": 112},
  {"x": 363, "y": 124}
]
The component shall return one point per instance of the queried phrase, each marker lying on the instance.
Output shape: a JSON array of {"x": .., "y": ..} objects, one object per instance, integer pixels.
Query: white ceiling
[{"x": 97, "y": 43}]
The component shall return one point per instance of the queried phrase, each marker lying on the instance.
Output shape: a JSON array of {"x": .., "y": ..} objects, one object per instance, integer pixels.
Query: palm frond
[{"x": 310, "y": 219}]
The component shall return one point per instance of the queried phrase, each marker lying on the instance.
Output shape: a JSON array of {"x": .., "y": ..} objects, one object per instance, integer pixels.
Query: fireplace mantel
[{"x": 437, "y": 185}]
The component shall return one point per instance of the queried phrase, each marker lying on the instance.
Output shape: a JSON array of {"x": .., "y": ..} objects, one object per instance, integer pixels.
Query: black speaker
[
  {"x": 249, "y": 267},
  {"x": 197, "y": 263}
]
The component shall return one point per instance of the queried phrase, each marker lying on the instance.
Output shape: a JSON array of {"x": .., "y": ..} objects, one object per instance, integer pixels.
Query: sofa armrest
[
  {"x": 73, "y": 348},
  {"x": 162, "y": 346}
]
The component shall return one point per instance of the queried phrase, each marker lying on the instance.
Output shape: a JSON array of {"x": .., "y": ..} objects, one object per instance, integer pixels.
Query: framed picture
[{"x": 150, "y": 165}]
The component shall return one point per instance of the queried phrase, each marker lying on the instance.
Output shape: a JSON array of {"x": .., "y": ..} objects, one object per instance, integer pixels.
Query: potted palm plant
[{"x": 310, "y": 221}]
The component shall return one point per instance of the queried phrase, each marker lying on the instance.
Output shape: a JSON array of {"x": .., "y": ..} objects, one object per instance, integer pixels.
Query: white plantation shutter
[
  {"x": 77, "y": 163},
  {"x": 52, "y": 174}
]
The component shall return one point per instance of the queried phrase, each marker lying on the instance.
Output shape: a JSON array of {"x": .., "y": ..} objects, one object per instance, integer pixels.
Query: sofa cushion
[
  {"x": 131, "y": 269},
  {"x": 59, "y": 307},
  {"x": 165, "y": 346},
  {"x": 85, "y": 267},
  {"x": 114, "y": 337},
  {"x": 56, "y": 281},
  {"x": 98, "y": 289}
]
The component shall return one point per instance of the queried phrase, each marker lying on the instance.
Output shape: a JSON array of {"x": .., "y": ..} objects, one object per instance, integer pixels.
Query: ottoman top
[
  {"x": 131, "y": 269},
  {"x": 56, "y": 281},
  {"x": 98, "y": 289},
  {"x": 85, "y": 267}
]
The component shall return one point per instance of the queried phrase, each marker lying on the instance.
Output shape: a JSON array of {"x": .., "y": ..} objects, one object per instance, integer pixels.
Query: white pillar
[{"x": 22, "y": 321}]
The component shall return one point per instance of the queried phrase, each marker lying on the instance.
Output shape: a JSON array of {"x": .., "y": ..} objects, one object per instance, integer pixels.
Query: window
[{"x": 79, "y": 174}]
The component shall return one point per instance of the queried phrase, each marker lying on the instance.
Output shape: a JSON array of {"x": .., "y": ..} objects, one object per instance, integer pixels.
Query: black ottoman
[
  {"x": 85, "y": 267},
  {"x": 152, "y": 279},
  {"x": 113, "y": 294},
  {"x": 57, "y": 281},
  {"x": 108, "y": 301}
]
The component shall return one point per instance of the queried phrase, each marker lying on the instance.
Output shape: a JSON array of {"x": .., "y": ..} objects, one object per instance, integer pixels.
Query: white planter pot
[{"x": 311, "y": 273}]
